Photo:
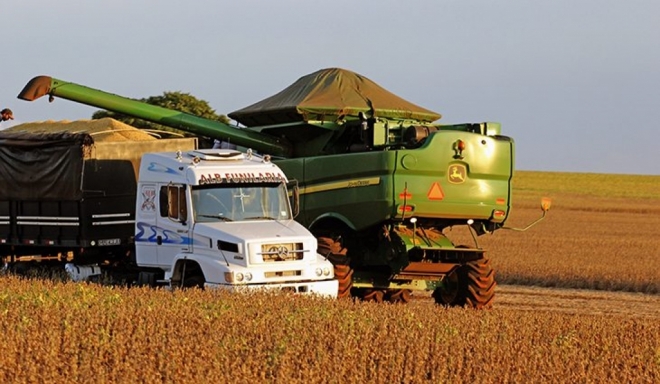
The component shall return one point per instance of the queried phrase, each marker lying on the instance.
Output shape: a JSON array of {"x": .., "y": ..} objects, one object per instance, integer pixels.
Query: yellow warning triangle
[{"x": 435, "y": 193}]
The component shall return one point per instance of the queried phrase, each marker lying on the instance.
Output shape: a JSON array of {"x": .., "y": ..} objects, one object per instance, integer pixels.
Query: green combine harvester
[{"x": 380, "y": 182}]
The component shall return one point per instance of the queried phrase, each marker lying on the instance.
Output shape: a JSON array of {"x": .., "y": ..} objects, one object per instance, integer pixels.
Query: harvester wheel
[
  {"x": 399, "y": 296},
  {"x": 375, "y": 295},
  {"x": 472, "y": 285},
  {"x": 334, "y": 251}
]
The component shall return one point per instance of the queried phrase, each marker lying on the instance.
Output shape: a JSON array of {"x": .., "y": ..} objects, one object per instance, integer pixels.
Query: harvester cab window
[{"x": 173, "y": 202}]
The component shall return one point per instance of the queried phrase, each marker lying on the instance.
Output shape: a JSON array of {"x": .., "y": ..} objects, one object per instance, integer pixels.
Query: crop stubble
[{"x": 601, "y": 233}]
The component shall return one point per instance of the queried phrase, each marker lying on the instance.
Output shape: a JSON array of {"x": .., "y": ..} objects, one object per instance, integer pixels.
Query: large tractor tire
[
  {"x": 402, "y": 296},
  {"x": 375, "y": 295},
  {"x": 334, "y": 251},
  {"x": 471, "y": 285}
]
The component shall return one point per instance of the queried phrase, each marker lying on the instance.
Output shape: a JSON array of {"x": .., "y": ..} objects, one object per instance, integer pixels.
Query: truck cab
[{"x": 222, "y": 218}]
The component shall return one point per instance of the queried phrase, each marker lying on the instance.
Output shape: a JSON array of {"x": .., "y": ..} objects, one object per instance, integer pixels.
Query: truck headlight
[
  {"x": 237, "y": 277},
  {"x": 326, "y": 271},
  {"x": 319, "y": 272}
]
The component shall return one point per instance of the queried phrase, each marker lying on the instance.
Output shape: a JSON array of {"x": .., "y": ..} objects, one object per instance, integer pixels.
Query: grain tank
[{"x": 380, "y": 181}]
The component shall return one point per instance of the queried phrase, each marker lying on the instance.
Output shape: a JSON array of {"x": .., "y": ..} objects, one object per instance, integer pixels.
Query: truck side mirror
[{"x": 294, "y": 197}]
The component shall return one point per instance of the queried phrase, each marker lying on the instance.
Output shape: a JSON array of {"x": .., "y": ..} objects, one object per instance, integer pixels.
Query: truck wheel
[
  {"x": 333, "y": 250},
  {"x": 472, "y": 285},
  {"x": 193, "y": 281},
  {"x": 146, "y": 279},
  {"x": 399, "y": 295}
]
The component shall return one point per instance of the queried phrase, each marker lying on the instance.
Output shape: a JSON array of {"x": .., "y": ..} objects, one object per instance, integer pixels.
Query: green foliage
[{"x": 179, "y": 101}]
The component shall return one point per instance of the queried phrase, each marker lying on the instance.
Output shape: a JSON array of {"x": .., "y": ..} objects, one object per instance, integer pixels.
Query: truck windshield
[{"x": 238, "y": 202}]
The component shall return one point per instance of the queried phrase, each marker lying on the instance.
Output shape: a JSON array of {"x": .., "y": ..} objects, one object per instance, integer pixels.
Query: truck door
[{"x": 173, "y": 225}]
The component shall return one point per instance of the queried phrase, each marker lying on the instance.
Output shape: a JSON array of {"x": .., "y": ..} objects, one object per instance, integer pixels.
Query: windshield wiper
[
  {"x": 259, "y": 218},
  {"x": 216, "y": 217}
]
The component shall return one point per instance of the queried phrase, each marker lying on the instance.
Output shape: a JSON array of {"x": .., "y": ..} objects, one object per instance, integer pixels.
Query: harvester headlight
[
  {"x": 326, "y": 271},
  {"x": 238, "y": 276},
  {"x": 319, "y": 272},
  {"x": 248, "y": 276}
]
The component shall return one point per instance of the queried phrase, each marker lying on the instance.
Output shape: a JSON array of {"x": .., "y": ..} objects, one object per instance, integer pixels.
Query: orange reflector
[
  {"x": 500, "y": 201},
  {"x": 499, "y": 213},
  {"x": 405, "y": 195},
  {"x": 435, "y": 193},
  {"x": 546, "y": 202},
  {"x": 405, "y": 208}
]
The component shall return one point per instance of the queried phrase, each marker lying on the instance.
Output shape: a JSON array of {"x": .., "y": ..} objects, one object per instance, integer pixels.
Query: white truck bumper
[{"x": 326, "y": 288}]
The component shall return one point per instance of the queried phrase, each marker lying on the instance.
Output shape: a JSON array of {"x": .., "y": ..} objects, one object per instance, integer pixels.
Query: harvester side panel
[
  {"x": 355, "y": 186},
  {"x": 439, "y": 181}
]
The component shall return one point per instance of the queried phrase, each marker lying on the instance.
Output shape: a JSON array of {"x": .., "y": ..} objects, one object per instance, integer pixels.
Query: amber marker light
[{"x": 546, "y": 202}]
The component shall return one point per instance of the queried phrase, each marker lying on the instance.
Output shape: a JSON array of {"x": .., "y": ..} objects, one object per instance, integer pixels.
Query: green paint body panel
[{"x": 363, "y": 189}]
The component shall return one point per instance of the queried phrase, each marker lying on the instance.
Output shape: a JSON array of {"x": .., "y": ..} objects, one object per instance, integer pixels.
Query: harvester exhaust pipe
[{"x": 46, "y": 85}]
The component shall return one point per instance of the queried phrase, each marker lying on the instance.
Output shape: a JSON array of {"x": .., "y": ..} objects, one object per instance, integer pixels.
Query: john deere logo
[{"x": 457, "y": 173}]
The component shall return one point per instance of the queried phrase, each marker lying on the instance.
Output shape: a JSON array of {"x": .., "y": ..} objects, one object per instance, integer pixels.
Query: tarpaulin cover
[
  {"x": 38, "y": 166},
  {"x": 327, "y": 95}
]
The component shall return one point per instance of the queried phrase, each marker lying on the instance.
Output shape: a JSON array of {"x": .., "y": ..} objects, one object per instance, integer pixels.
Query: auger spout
[{"x": 45, "y": 85}]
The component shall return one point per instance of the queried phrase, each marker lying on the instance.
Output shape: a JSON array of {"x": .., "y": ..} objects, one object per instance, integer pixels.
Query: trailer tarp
[
  {"x": 328, "y": 95},
  {"x": 33, "y": 166}
]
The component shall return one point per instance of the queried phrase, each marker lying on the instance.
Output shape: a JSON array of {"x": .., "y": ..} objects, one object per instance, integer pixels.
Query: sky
[{"x": 576, "y": 83}]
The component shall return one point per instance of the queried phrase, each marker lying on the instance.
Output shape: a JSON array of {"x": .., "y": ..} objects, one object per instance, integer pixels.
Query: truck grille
[
  {"x": 282, "y": 274},
  {"x": 282, "y": 252}
]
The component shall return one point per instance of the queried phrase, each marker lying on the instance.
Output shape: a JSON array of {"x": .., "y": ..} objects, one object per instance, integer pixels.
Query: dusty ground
[{"x": 577, "y": 301}]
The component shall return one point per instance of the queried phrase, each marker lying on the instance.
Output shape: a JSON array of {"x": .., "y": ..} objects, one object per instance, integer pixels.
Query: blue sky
[{"x": 576, "y": 83}]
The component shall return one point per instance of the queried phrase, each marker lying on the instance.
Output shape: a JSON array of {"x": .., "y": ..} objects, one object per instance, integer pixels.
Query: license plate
[{"x": 106, "y": 242}]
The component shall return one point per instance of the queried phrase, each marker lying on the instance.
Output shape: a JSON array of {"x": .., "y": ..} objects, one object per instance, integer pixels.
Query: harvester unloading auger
[{"x": 379, "y": 181}]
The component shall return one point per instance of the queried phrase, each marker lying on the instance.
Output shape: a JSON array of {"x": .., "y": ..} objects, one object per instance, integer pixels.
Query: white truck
[{"x": 209, "y": 218}]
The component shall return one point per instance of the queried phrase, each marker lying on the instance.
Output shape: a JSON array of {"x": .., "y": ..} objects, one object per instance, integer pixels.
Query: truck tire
[
  {"x": 334, "y": 251},
  {"x": 471, "y": 285},
  {"x": 194, "y": 281},
  {"x": 146, "y": 279}
]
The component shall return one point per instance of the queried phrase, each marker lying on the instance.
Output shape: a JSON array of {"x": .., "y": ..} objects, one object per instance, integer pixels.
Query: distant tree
[{"x": 179, "y": 101}]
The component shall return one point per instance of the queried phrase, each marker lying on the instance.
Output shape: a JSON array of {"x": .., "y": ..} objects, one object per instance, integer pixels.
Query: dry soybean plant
[{"x": 78, "y": 332}]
